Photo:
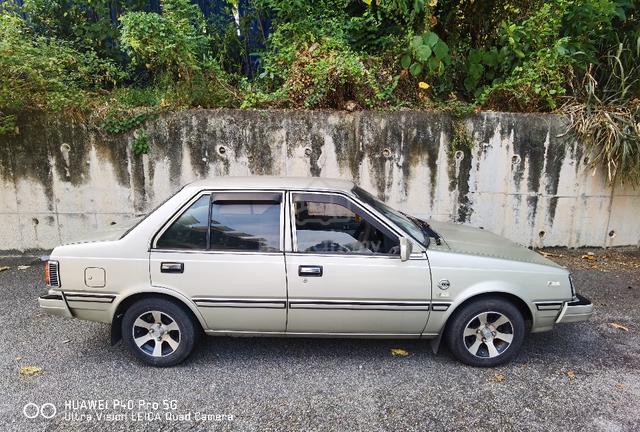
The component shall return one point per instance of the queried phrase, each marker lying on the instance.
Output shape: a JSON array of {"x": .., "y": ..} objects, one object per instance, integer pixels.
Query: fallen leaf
[
  {"x": 399, "y": 352},
  {"x": 571, "y": 374},
  {"x": 499, "y": 377},
  {"x": 3, "y": 268},
  {"x": 549, "y": 254},
  {"x": 620, "y": 386},
  {"x": 619, "y": 326},
  {"x": 30, "y": 370},
  {"x": 588, "y": 257},
  {"x": 23, "y": 267}
]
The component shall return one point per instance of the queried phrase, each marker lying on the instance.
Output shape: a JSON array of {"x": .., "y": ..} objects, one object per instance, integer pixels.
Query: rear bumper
[
  {"x": 577, "y": 310},
  {"x": 54, "y": 303}
]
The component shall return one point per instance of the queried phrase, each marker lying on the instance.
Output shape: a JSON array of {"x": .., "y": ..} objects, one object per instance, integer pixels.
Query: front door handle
[
  {"x": 171, "y": 267},
  {"x": 310, "y": 270}
]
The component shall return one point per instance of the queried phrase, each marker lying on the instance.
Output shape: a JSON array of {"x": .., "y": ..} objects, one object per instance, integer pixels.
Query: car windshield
[{"x": 406, "y": 223}]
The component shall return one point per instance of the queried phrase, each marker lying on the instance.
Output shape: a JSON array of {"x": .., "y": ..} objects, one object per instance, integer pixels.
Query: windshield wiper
[{"x": 426, "y": 229}]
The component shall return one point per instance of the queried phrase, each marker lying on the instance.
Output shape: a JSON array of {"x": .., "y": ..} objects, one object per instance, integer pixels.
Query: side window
[
  {"x": 189, "y": 231},
  {"x": 251, "y": 225},
  {"x": 331, "y": 223}
]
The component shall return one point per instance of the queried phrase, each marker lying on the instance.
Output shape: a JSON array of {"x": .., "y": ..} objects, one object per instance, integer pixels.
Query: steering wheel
[{"x": 328, "y": 246}]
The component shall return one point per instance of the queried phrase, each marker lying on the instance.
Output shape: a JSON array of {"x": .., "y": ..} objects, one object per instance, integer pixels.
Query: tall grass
[{"x": 607, "y": 117}]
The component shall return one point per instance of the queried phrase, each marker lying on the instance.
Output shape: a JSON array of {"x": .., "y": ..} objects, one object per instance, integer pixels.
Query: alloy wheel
[
  {"x": 488, "y": 334},
  {"x": 156, "y": 333}
]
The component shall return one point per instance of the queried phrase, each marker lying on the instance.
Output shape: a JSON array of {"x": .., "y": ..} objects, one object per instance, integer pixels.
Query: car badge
[{"x": 444, "y": 284}]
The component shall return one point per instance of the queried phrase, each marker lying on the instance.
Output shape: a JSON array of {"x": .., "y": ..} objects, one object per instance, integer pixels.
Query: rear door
[
  {"x": 345, "y": 275},
  {"x": 224, "y": 250}
]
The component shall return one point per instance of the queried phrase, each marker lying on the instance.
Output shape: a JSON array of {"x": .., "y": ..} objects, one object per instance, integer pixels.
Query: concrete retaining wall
[{"x": 60, "y": 180}]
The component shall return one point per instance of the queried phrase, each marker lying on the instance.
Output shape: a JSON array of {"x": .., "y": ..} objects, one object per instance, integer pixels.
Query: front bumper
[
  {"x": 54, "y": 303},
  {"x": 577, "y": 310}
]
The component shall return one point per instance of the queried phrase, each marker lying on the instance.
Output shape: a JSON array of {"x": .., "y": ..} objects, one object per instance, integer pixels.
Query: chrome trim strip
[
  {"x": 360, "y": 305},
  {"x": 549, "y": 305},
  {"x": 215, "y": 252},
  {"x": 89, "y": 298},
  {"x": 440, "y": 307},
  {"x": 314, "y": 334},
  {"x": 240, "y": 303}
]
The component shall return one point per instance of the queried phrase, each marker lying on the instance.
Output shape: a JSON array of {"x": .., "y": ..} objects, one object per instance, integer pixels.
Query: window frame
[
  {"x": 357, "y": 205},
  {"x": 211, "y": 192}
]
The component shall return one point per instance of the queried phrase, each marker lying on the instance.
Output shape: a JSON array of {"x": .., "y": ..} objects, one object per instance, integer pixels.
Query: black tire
[
  {"x": 185, "y": 334},
  {"x": 469, "y": 316}
]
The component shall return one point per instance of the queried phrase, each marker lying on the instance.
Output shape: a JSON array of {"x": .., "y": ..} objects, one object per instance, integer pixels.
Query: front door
[
  {"x": 224, "y": 251},
  {"x": 345, "y": 274}
]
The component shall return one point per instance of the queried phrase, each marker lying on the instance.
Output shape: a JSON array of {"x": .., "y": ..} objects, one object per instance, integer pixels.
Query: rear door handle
[
  {"x": 171, "y": 267},
  {"x": 310, "y": 270}
]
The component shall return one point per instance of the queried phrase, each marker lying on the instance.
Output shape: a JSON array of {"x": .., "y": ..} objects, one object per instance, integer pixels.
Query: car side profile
[{"x": 284, "y": 256}]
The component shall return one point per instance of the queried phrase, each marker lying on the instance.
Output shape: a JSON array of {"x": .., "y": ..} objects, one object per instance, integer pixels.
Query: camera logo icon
[{"x": 46, "y": 410}]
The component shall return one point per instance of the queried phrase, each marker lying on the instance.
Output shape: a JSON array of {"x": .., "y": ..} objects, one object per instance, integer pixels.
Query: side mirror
[{"x": 405, "y": 248}]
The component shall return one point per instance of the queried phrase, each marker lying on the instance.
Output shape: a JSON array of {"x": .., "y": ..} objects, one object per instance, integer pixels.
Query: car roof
[{"x": 273, "y": 182}]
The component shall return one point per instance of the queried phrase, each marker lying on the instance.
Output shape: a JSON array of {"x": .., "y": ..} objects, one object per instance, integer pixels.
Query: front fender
[{"x": 438, "y": 318}]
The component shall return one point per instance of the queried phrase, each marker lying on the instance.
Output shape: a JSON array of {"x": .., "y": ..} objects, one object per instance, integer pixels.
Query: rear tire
[
  {"x": 487, "y": 332},
  {"x": 159, "y": 332}
]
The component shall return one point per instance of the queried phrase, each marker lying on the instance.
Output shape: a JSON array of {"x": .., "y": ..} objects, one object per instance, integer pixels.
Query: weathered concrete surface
[{"x": 60, "y": 181}]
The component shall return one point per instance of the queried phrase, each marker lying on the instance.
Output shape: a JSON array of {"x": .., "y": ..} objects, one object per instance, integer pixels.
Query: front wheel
[
  {"x": 487, "y": 332},
  {"x": 158, "y": 332}
]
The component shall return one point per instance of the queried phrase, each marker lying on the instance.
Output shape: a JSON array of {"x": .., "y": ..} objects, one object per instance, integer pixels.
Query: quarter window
[
  {"x": 190, "y": 230},
  {"x": 333, "y": 224}
]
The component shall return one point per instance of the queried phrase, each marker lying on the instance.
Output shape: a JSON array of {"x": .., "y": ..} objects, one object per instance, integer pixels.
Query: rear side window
[
  {"x": 229, "y": 221},
  {"x": 189, "y": 231},
  {"x": 245, "y": 226}
]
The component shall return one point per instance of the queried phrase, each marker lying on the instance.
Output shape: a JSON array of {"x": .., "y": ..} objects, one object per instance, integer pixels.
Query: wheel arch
[
  {"x": 517, "y": 301},
  {"x": 127, "y": 301}
]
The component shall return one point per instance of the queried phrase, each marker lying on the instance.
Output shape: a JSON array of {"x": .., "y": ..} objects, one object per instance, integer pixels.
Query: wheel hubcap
[
  {"x": 156, "y": 333},
  {"x": 488, "y": 334}
]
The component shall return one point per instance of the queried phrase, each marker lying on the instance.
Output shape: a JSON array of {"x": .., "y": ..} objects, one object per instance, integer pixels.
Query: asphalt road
[{"x": 578, "y": 377}]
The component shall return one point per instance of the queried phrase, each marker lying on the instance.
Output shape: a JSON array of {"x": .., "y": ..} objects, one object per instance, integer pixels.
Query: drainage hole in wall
[
  {"x": 541, "y": 234},
  {"x": 515, "y": 159},
  {"x": 386, "y": 153},
  {"x": 586, "y": 160},
  {"x": 308, "y": 151},
  {"x": 459, "y": 155},
  {"x": 112, "y": 223},
  {"x": 612, "y": 233},
  {"x": 35, "y": 221},
  {"x": 222, "y": 150}
]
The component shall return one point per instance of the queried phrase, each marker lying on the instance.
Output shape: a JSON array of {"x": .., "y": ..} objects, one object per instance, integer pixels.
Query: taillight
[{"x": 51, "y": 274}]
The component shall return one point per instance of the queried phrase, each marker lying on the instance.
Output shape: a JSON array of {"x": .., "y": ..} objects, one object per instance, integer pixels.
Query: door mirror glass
[{"x": 405, "y": 248}]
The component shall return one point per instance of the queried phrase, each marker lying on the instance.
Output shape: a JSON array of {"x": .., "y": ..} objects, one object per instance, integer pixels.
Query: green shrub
[
  {"x": 171, "y": 45},
  {"x": 38, "y": 73}
]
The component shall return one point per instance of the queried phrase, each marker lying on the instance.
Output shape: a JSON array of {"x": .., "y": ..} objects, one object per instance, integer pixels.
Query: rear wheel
[
  {"x": 158, "y": 332},
  {"x": 487, "y": 332}
]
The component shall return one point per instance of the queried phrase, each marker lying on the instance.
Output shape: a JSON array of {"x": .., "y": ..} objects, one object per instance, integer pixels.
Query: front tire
[
  {"x": 487, "y": 332},
  {"x": 159, "y": 332}
]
